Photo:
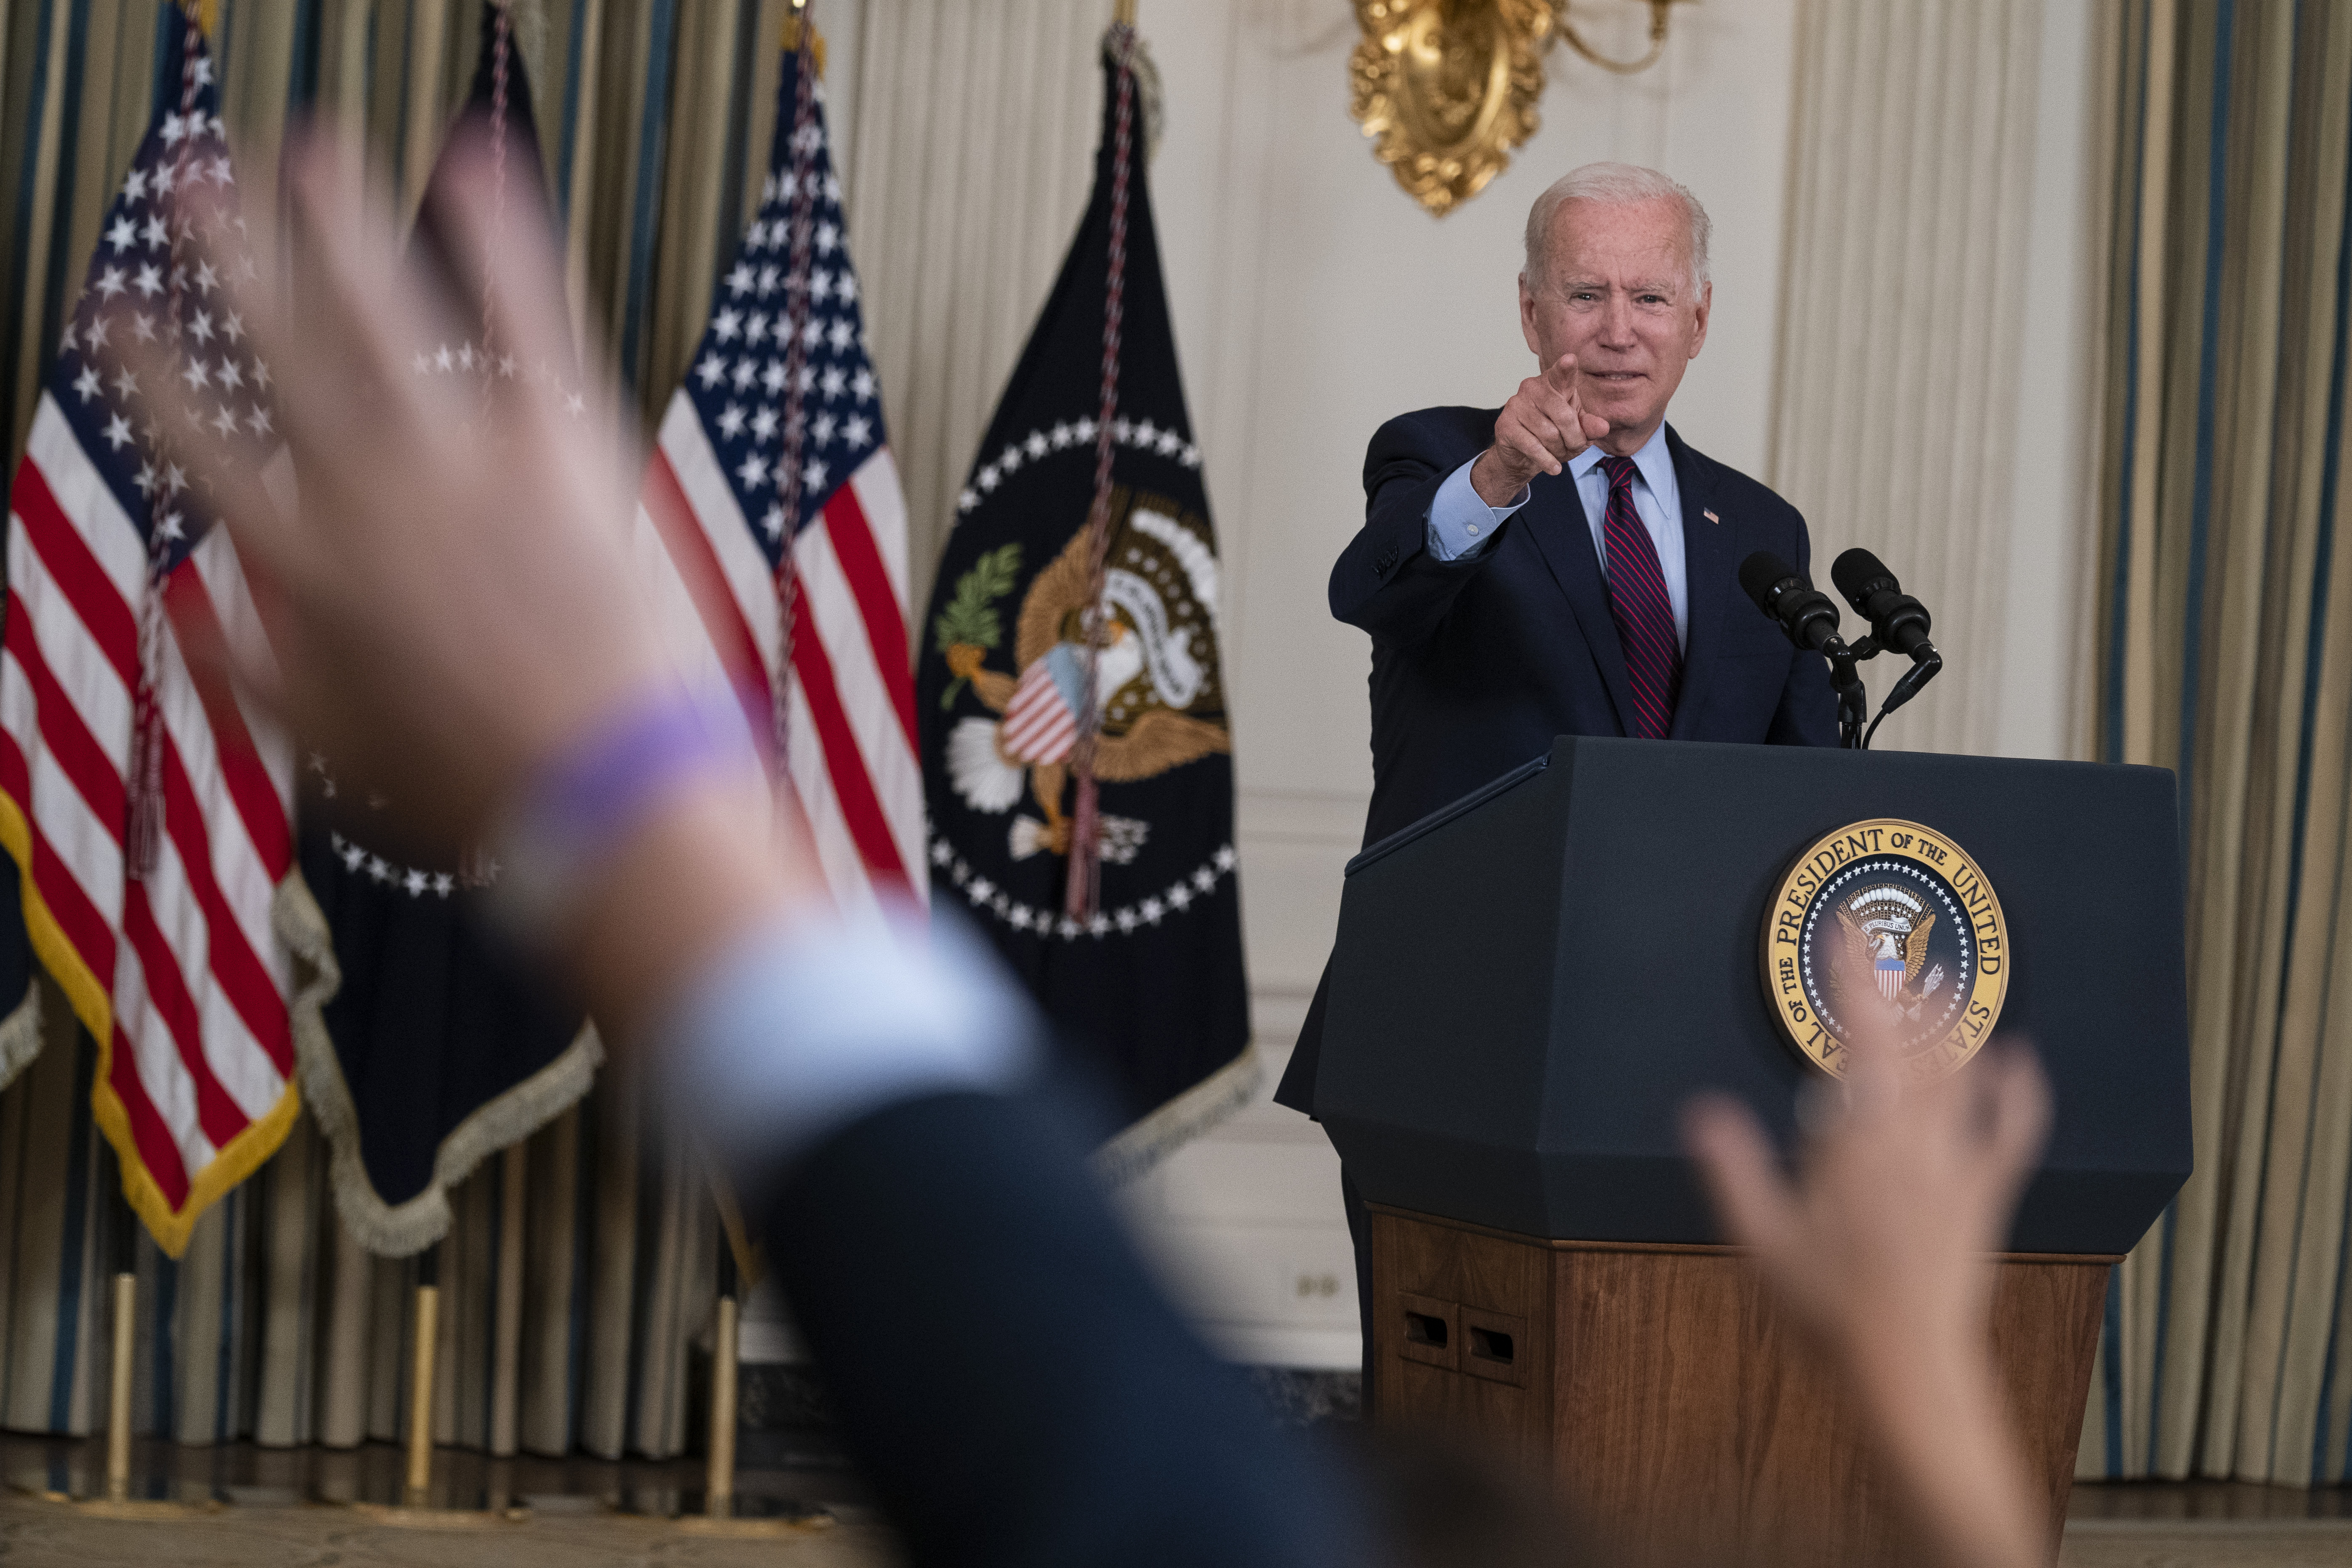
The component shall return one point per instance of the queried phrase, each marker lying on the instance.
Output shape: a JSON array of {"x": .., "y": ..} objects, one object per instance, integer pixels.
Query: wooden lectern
[{"x": 1526, "y": 987}]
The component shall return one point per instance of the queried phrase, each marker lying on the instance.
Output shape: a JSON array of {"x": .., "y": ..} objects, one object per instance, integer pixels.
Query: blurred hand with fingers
[
  {"x": 1903, "y": 1188},
  {"x": 451, "y": 597},
  {"x": 1880, "y": 1246},
  {"x": 447, "y": 584}
]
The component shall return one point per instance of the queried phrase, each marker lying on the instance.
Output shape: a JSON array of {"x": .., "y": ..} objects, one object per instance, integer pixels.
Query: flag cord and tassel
[
  {"x": 1082, "y": 898},
  {"x": 145, "y": 829},
  {"x": 501, "y": 48},
  {"x": 796, "y": 312},
  {"x": 474, "y": 859}
]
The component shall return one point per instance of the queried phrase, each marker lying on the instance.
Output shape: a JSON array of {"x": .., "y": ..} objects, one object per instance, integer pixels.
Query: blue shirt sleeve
[{"x": 1461, "y": 525}]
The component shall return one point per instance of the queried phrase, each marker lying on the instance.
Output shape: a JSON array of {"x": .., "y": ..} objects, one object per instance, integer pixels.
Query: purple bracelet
[{"x": 593, "y": 793}]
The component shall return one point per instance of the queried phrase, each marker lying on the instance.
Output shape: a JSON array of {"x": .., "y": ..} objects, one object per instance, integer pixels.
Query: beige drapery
[
  {"x": 2224, "y": 604},
  {"x": 1901, "y": 317},
  {"x": 970, "y": 153}
]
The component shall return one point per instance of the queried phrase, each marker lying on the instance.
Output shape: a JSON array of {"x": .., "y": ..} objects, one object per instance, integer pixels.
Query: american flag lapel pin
[{"x": 1708, "y": 515}]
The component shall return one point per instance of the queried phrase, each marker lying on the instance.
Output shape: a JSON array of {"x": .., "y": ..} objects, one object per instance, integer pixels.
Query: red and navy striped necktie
[{"x": 1639, "y": 604}]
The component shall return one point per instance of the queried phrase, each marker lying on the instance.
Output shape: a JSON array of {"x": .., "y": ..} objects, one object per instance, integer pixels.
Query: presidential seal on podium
[{"x": 1890, "y": 926}]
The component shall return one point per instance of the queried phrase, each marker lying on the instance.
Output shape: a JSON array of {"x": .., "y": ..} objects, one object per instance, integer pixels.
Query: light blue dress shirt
[{"x": 1462, "y": 525}]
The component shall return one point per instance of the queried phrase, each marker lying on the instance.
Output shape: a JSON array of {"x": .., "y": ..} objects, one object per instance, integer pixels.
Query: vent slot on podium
[
  {"x": 1496, "y": 1346},
  {"x": 1428, "y": 1330}
]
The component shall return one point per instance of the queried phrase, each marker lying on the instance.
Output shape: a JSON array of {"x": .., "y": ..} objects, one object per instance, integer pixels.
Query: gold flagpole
[
  {"x": 116, "y": 1501},
  {"x": 1123, "y": 12},
  {"x": 118, "y": 1401},
  {"x": 415, "y": 1493},
  {"x": 416, "y": 1511},
  {"x": 717, "y": 1515},
  {"x": 718, "y": 1498}
]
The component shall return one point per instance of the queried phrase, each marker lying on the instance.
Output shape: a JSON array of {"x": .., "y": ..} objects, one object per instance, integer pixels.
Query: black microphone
[
  {"x": 1809, "y": 615},
  {"x": 1811, "y": 619},
  {"x": 1897, "y": 621}
]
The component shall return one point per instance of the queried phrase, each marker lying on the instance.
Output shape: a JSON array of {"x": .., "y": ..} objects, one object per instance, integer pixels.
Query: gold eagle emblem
[{"x": 1157, "y": 663}]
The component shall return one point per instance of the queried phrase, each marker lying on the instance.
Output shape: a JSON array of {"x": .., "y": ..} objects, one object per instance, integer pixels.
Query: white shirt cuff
[{"x": 800, "y": 1031}]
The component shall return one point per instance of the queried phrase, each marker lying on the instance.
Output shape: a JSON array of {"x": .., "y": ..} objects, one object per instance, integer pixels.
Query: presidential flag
[
  {"x": 772, "y": 522},
  {"x": 146, "y": 805},
  {"x": 443, "y": 1045},
  {"x": 1077, "y": 754}
]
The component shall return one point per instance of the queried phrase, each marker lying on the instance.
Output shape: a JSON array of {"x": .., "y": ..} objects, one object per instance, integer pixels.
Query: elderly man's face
[{"x": 1617, "y": 294}]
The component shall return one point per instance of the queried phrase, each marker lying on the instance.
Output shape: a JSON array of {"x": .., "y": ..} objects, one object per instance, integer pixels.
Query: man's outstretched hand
[
  {"x": 1881, "y": 1247},
  {"x": 1540, "y": 431}
]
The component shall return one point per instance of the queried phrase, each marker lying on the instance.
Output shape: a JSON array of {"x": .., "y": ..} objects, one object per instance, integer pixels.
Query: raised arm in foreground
[{"x": 1881, "y": 1249}]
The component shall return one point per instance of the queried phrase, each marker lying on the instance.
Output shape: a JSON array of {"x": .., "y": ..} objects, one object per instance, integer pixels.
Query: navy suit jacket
[{"x": 1478, "y": 663}]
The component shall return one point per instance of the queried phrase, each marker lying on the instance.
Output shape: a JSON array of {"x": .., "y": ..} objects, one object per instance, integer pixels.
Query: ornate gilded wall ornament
[{"x": 1447, "y": 88}]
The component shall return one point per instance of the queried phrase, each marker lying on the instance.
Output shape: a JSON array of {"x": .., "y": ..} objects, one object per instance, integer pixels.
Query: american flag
[
  {"x": 773, "y": 444},
  {"x": 120, "y": 587}
]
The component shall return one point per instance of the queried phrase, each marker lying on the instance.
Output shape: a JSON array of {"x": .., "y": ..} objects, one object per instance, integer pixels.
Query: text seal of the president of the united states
[{"x": 1886, "y": 925}]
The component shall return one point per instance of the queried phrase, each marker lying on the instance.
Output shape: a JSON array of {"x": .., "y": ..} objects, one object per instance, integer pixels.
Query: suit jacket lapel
[
  {"x": 1564, "y": 537},
  {"x": 1709, "y": 575}
]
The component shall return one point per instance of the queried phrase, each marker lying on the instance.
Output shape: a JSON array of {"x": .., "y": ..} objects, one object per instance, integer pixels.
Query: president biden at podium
[{"x": 1566, "y": 564}]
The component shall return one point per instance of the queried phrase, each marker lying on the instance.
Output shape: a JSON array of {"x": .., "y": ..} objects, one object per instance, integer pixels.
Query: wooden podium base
[{"x": 1671, "y": 1409}]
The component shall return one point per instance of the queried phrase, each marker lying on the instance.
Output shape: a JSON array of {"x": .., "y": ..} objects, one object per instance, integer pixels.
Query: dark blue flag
[{"x": 1052, "y": 651}]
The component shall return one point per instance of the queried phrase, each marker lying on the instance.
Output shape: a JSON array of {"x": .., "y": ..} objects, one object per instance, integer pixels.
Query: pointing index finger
[{"x": 1561, "y": 374}]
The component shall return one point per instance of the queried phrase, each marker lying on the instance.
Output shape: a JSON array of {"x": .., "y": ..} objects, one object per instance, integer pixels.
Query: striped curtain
[
  {"x": 275, "y": 1326},
  {"x": 581, "y": 1270},
  {"x": 1901, "y": 323},
  {"x": 970, "y": 157},
  {"x": 2225, "y": 653}
]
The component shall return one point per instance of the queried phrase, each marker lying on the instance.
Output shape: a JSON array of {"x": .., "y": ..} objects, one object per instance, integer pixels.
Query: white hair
[{"x": 1615, "y": 184}]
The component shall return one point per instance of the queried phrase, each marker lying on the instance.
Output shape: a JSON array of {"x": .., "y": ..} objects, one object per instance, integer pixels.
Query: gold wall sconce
[{"x": 1447, "y": 88}]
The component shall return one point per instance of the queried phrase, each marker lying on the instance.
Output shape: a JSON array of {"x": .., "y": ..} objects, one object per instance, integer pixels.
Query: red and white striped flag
[
  {"x": 772, "y": 518},
  {"x": 148, "y": 809}
]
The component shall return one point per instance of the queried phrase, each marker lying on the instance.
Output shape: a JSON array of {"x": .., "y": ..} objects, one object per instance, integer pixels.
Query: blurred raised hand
[
  {"x": 1880, "y": 1246},
  {"x": 447, "y": 585}
]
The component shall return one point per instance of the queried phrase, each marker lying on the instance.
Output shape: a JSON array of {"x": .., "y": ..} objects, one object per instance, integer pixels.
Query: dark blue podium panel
[{"x": 1528, "y": 986}]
